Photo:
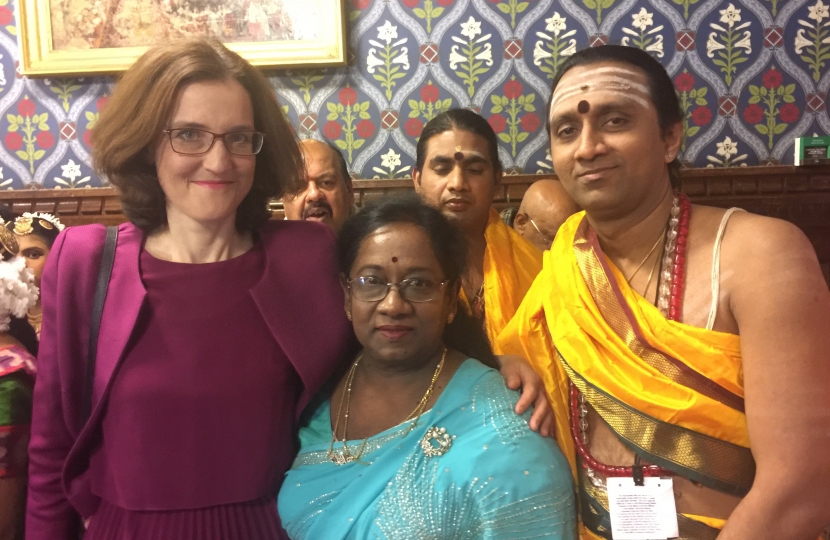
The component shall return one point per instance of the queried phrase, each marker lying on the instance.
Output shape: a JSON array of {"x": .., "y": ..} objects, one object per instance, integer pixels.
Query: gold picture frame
[{"x": 320, "y": 25}]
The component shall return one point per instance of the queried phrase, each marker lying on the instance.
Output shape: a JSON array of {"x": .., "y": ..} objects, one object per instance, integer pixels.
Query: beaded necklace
[{"x": 670, "y": 303}]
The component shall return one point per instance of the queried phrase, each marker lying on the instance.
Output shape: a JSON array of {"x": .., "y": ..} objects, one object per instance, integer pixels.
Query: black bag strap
[{"x": 101, "y": 287}]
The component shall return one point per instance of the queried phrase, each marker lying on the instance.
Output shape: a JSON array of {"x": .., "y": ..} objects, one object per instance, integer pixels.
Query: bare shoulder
[
  {"x": 770, "y": 262},
  {"x": 764, "y": 242}
]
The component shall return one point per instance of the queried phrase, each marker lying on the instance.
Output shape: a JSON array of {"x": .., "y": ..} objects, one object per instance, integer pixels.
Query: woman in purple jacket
[{"x": 217, "y": 327}]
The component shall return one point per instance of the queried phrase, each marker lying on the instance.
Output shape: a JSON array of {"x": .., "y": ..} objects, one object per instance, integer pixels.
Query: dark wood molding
[{"x": 800, "y": 195}]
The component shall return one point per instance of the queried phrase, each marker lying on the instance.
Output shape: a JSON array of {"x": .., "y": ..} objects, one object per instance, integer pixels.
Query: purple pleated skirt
[{"x": 254, "y": 520}]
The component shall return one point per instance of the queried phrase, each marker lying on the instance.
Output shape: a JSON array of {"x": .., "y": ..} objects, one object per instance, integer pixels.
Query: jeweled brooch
[{"x": 441, "y": 437}]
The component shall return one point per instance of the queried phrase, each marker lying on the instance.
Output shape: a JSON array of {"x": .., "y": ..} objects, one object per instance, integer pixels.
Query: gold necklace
[
  {"x": 345, "y": 455},
  {"x": 662, "y": 235},
  {"x": 35, "y": 321}
]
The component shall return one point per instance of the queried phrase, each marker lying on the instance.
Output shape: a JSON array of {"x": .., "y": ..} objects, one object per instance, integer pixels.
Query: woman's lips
[{"x": 394, "y": 332}]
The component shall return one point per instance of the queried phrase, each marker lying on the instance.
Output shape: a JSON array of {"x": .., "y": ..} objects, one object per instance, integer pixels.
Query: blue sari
[{"x": 497, "y": 480}]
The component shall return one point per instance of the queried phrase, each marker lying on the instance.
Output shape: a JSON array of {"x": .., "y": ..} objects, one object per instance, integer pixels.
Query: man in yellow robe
[
  {"x": 671, "y": 345},
  {"x": 458, "y": 171}
]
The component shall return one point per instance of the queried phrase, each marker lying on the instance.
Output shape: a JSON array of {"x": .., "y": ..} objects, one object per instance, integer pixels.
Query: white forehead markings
[{"x": 610, "y": 80}]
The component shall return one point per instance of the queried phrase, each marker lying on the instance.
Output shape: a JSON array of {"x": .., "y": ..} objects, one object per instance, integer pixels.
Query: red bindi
[
  {"x": 394, "y": 259},
  {"x": 583, "y": 107}
]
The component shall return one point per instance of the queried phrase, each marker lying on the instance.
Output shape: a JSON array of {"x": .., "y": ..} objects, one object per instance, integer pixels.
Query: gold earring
[
  {"x": 349, "y": 315},
  {"x": 450, "y": 318}
]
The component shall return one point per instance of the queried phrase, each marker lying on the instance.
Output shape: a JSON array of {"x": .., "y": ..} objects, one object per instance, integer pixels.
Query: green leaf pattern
[
  {"x": 29, "y": 126},
  {"x": 771, "y": 98},
  {"x": 643, "y": 38},
  {"x": 812, "y": 42},
  {"x": 63, "y": 89},
  {"x": 554, "y": 45},
  {"x": 349, "y": 115},
  {"x": 734, "y": 44},
  {"x": 471, "y": 58},
  {"x": 393, "y": 62}
]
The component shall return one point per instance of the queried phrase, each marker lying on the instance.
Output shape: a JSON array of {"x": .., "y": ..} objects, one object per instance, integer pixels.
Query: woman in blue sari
[{"x": 425, "y": 442}]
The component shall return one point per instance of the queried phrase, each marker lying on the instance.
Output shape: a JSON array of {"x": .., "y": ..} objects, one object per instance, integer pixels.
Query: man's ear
[
  {"x": 520, "y": 222},
  {"x": 416, "y": 178},
  {"x": 673, "y": 138}
]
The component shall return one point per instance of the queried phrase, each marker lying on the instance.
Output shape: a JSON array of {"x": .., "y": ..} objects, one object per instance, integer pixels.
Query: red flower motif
[
  {"x": 14, "y": 141},
  {"x": 101, "y": 103},
  {"x": 772, "y": 79},
  {"x": 701, "y": 115},
  {"x": 361, "y": 4},
  {"x": 512, "y": 89},
  {"x": 497, "y": 122},
  {"x": 347, "y": 96},
  {"x": 365, "y": 129},
  {"x": 753, "y": 114},
  {"x": 410, "y": 3},
  {"x": 684, "y": 82},
  {"x": 413, "y": 127},
  {"x": 789, "y": 113},
  {"x": 429, "y": 93},
  {"x": 26, "y": 107},
  {"x": 45, "y": 139},
  {"x": 5, "y": 16},
  {"x": 87, "y": 137},
  {"x": 445, "y": 3},
  {"x": 332, "y": 130},
  {"x": 530, "y": 122}
]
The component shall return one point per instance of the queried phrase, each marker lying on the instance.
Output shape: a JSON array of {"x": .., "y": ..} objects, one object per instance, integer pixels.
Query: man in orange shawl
[
  {"x": 458, "y": 171},
  {"x": 670, "y": 345}
]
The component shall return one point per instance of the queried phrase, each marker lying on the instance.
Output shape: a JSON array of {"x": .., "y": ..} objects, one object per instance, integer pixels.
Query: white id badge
[{"x": 644, "y": 512}]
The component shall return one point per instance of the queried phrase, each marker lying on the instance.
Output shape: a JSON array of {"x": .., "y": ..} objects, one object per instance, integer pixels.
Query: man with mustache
[
  {"x": 684, "y": 347},
  {"x": 328, "y": 197},
  {"x": 458, "y": 171}
]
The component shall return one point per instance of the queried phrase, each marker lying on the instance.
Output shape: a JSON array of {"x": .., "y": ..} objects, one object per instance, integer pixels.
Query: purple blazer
[{"x": 300, "y": 300}]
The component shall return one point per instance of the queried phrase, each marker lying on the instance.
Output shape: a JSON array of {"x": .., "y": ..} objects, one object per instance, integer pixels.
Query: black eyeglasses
[
  {"x": 194, "y": 142},
  {"x": 372, "y": 289}
]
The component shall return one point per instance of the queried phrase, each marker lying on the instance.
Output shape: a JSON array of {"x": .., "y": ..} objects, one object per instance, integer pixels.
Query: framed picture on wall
[{"x": 82, "y": 37}]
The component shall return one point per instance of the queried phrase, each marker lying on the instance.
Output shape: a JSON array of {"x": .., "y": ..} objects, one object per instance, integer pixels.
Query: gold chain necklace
[
  {"x": 35, "y": 321},
  {"x": 659, "y": 238},
  {"x": 344, "y": 455}
]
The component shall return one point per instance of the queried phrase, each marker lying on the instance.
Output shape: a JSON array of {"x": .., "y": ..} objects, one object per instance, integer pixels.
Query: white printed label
[{"x": 644, "y": 512}]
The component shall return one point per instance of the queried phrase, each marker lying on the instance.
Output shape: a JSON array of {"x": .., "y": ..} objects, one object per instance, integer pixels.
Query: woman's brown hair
[{"x": 124, "y": 138}]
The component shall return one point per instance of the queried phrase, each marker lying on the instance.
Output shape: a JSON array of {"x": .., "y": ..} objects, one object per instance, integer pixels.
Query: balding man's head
[
  {"x": 545, "y": 207},
  {"x": 328, "y": 195}
]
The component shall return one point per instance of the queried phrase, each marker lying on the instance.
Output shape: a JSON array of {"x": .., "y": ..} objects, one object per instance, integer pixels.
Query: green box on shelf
[{"x": 812, "y": 151}]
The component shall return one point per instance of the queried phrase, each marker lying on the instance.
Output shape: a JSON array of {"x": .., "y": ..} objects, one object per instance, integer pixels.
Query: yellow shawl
[
  {"x": 672, "y": 391},
  {"x": 511, "y": 263}
]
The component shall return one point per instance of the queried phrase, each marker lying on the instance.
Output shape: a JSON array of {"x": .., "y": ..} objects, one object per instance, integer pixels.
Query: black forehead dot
[
  {"x": 583, "y": 107},
  {"x": 459, "y": 156},
  {"x": 394, "y": 259}
]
